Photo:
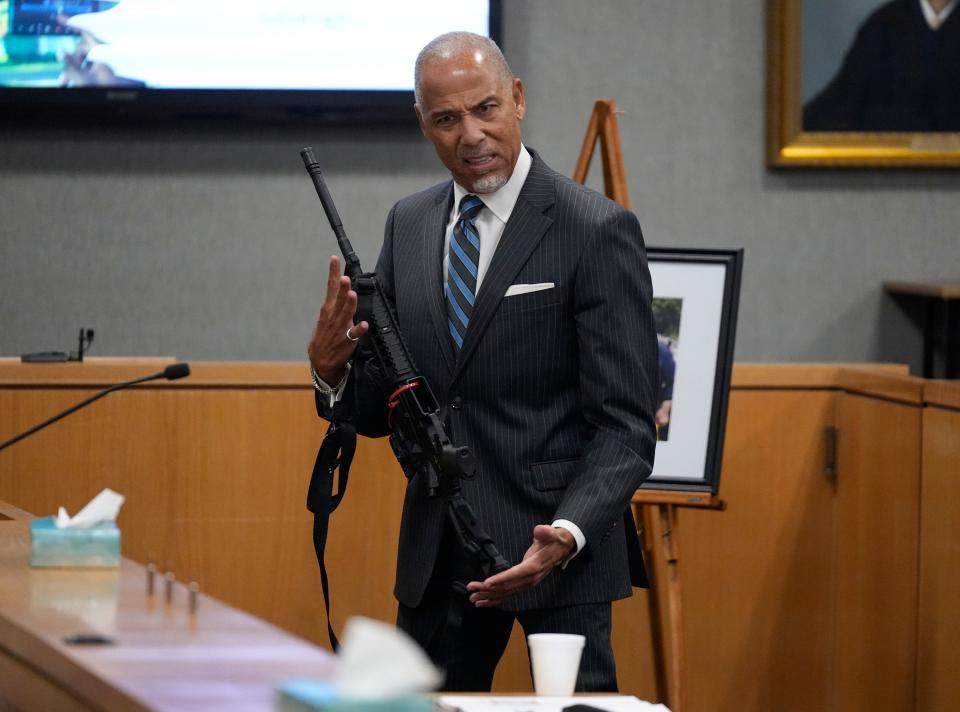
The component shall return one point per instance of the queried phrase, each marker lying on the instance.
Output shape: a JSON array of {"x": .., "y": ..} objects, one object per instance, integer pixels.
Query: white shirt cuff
[
  {"x": 577, "y": 536},
  {"x": 334, "y": 393}
]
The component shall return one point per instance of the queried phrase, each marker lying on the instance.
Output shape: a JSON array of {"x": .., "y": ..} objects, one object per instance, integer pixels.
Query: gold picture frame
[{"x": 789, "y": 146}]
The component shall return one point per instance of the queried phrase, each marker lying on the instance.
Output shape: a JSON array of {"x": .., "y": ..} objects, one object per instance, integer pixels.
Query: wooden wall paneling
[
  {"x": 215, "y": 479},
  {"x": 877, "y": 537},
  {"x": 633, "y": 645},
  {"x": 53, "y": 466},
  {"x": 215, "y": 470},
  {"x": 938, "y": 635},
  {"x": 364, "y": 532},
  {"x": 513, "y": 673},
  {"x": 757, "y": 577}
]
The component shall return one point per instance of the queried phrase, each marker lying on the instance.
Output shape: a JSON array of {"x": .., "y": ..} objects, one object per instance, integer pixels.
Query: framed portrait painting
[
  {"x": 695, "y": 299},
  {"x": 863, "y": 83}
]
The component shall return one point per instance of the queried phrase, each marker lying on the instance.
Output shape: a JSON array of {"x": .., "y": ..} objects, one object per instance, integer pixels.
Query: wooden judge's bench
[{"x": 829, "y": 582}]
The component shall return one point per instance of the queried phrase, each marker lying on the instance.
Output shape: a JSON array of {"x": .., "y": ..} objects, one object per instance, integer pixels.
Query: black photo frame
[{"x": 696, "y": 294}]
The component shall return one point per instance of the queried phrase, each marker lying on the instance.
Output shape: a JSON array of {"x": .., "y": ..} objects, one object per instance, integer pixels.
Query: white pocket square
[{"x": 515, "y": 289}]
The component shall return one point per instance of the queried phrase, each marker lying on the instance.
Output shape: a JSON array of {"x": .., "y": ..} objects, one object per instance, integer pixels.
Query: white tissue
[
  {"x": 378, "y": 661},
  {"x": 103, "y": 508}
]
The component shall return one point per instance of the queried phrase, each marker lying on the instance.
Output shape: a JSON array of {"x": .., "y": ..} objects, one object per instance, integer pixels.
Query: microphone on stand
[
  {"x": 171, "y": 373},
  {"x": 86, "y": 338}
]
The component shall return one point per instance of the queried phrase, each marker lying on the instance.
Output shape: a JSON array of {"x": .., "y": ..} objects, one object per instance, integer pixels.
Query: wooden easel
[
  {"x": 603, "y": 126},
  {"x": 656, "y": 510}
]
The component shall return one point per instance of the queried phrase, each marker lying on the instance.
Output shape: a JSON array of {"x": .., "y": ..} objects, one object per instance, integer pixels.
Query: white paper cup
[{"x": 555, "y": 658}]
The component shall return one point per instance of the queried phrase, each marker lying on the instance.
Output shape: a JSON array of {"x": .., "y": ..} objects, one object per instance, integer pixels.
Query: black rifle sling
[{"x": 336, "y": 451}]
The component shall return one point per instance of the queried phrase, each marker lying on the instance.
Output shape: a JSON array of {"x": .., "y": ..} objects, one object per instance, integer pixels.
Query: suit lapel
[
  {"x": 434, "y": 224},
  {"x": 523, "y": 232}
]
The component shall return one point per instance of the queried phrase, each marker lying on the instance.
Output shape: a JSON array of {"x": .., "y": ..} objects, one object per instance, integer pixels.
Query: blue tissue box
[
  {"x": 96, "y": 547},
  {"x": 315, "y": 695}
]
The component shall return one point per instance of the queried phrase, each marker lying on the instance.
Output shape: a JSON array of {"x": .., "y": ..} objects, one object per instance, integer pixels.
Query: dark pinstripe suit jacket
[{"x": 553, "y": 390}]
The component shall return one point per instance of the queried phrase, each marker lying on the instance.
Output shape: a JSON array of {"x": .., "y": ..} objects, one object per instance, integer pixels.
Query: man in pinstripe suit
[{"x": 550, "y": 378}]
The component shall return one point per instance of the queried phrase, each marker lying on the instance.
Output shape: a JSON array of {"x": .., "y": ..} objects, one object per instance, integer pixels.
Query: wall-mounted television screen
[{"x": 282, "y": 59}]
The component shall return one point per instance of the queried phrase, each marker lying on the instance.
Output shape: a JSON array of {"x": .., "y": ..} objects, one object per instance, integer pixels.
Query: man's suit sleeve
[{"x": 618, "y": 370}]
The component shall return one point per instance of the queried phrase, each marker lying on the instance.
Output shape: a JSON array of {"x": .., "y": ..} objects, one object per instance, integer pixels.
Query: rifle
[{"x": 418, "y": 438}]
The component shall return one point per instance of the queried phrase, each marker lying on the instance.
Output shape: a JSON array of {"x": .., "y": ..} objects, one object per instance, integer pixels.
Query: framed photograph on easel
[{"x": 695, "y": 299}]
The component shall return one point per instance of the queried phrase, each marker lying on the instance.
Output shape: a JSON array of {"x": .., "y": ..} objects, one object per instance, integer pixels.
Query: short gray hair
[{"x": 452, "y": 44}]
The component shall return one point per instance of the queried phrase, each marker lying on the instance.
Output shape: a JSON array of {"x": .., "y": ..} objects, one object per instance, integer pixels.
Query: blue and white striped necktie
[{"x": 463, "y": 261}]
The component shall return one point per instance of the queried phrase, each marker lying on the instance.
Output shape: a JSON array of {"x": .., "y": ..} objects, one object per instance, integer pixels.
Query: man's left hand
[{"x": 551, "y": 546}]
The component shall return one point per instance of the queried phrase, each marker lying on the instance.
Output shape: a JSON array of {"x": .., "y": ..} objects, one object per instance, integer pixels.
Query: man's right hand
[{"x": 335, "y": 335}]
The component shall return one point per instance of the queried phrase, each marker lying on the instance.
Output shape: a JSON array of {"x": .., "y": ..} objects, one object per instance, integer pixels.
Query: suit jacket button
[{"x": 456, "y": 403}]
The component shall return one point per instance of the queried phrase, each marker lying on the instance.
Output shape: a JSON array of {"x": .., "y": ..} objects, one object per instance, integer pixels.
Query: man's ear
[{"x": 518, "y": 98}]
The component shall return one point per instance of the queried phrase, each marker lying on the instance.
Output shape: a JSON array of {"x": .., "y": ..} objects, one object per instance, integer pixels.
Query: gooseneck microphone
[{"x": 171, "y": 373}]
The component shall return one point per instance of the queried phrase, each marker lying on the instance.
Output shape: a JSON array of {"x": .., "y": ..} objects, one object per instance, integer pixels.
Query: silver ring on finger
[{"x": 352, "y": 338}]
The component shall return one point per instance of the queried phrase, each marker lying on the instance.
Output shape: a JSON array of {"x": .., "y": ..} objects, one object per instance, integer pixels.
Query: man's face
[{"x": 472, "y": 117}]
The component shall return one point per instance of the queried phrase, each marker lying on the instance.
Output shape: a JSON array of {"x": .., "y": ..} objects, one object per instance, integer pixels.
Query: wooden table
[
  {"x": 941, "y": 322},
  {"x": 162, "y": 657}
]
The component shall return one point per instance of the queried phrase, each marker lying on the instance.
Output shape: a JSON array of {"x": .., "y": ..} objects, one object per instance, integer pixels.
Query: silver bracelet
[{"x": 322, "y": 386}]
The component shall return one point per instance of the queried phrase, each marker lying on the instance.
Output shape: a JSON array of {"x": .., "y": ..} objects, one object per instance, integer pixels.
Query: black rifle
[{"x": 419, "y": 439}]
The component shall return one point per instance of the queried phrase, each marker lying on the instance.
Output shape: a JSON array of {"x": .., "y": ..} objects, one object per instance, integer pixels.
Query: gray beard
[{"x": 489, "y": 183}]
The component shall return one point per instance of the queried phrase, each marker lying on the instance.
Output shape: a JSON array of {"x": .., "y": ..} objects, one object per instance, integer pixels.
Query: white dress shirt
[
  {"x": 936, "y": 18},
  {"x": 490, "y": 222}
]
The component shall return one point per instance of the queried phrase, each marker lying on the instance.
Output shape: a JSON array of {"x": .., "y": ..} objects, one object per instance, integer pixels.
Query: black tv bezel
[{"x": 96, "y": 105}]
